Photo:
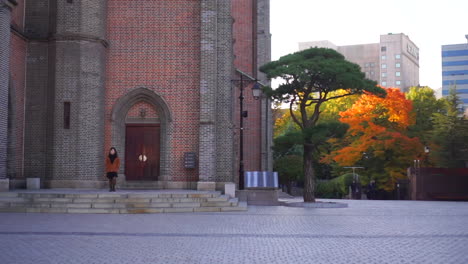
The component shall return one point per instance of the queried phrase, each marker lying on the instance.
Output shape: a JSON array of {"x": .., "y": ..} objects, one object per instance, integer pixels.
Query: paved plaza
[{"x": 365, "y": 232}]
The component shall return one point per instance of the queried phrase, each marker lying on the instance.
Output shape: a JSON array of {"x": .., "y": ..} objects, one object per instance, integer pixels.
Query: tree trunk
[
  {"x": 309, "y": 175},
  {"x": 289, "y": 187}
]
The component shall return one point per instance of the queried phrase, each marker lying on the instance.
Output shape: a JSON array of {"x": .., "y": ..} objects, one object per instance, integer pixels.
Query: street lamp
[
  {"x": 355, "y": 179},
  {"x": 426, "y": 155},
  {"x": 256, "y": 93}
]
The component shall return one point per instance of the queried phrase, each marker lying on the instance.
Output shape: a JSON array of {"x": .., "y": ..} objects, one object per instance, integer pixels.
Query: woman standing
[{"x": 112, "y": 168}]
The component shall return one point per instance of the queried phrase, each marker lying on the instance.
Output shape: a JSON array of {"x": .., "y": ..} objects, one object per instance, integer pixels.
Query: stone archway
[{"x": 118, "y": 125}]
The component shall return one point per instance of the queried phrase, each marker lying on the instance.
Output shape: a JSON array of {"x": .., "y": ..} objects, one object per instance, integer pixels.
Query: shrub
[{"x": 335, "y": 188}]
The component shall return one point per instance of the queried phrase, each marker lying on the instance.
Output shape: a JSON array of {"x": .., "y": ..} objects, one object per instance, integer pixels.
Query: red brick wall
[
  {"x": 156, "y": 44},
  {"x": 18, "y": 71},
  {"x": 244, "y": 51},
  {"x": 17, "y": 16},
  {"x": 135, "y": 111}
]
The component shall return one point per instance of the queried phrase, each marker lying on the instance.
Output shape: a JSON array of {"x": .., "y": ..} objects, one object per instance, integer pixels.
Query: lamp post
[
  {"x": 355, "y": 180},
  {"x": 256, "y": 93},
  {"x": 426, "y": 156}
]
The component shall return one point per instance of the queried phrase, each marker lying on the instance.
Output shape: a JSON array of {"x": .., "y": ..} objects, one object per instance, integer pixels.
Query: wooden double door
[{"x": 142, "y": 152}]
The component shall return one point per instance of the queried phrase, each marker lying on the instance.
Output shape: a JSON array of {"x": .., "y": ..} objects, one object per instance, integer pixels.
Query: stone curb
[{"x": 314, "y": 205}]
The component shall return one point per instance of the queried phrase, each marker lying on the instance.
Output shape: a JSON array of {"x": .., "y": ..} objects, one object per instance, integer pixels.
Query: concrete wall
[
  {"x": 372, "y": 56},
  {"x": 410, "y": 63},
  {"x": 366, "y": 56},
  {"x": 319, "y": 44},
  {"x": 400, "y": 44}
]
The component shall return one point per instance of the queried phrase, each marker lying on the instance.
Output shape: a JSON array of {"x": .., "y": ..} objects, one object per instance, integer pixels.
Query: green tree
[
  {"x": 425, "y": 105},
  {"x": 284, "y": 124},
  {"x": 311, "y": 76},
  {"x": 287, "y": 144},
  {"x": 330, "y": 111},
  {"x": 289, "y": 139},
  {"x": 289, "y": 168},
  {"x": 450, "y": 133}
]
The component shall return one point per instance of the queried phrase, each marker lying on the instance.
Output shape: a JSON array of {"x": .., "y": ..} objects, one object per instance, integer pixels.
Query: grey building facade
[
  {"x": 393, "y": 62},
  {"x": 6, "y": 6}
]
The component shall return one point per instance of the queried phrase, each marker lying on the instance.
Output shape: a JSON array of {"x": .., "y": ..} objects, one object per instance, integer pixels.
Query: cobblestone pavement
[{"x": 365, "y": 232}]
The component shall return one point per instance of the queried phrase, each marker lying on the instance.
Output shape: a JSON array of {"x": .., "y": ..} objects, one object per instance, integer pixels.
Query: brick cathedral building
[{"x": 154, "y": 78}]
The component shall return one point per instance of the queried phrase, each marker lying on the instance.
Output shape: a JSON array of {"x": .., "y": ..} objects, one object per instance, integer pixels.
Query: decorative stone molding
[
  {"x": 141, "y": 94},
  {"x": 71, "y": 37}
]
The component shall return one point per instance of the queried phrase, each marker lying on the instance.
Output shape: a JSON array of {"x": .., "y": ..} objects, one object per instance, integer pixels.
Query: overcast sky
[{"x": 429, "y": 24}]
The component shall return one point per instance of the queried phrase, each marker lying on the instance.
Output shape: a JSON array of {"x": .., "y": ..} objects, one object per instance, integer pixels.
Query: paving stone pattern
[{"x": 365, "y": 232}]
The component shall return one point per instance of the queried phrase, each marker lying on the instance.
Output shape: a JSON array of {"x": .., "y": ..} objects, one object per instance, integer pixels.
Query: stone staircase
[
  {"x": 140, "y": 185},
  {"x": 120, "y": 202}
]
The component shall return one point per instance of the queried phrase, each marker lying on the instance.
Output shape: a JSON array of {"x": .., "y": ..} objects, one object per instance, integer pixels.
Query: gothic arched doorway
[
  {"x": 142, "y": 143},
  {"x": 141, "y": 123}
]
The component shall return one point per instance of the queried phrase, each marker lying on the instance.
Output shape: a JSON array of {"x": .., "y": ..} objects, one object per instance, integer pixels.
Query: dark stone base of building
[{"x": 259, "y": 196}]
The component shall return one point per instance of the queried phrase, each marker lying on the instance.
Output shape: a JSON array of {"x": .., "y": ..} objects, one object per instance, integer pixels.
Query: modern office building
[
  {"x": 393, "y": 62},
  {"x": 455, "y": 70}
]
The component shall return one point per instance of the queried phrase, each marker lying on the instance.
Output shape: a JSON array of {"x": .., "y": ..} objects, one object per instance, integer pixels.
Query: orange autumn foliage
[{"x": 377, "y": 126}]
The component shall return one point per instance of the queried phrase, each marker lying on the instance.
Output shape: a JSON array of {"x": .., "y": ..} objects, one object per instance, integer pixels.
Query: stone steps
[
  {"x": 118, "y": 203},
  {"x": 144, "y": 185}
]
